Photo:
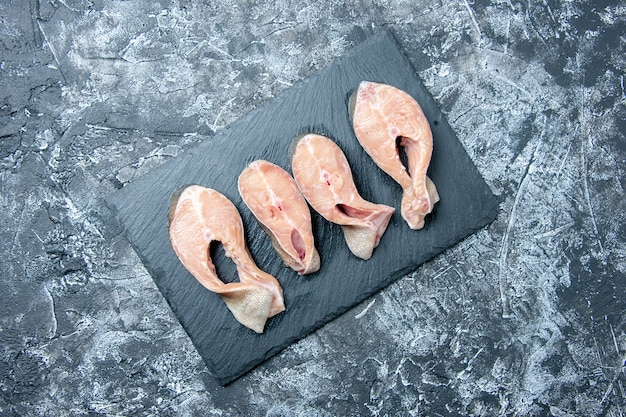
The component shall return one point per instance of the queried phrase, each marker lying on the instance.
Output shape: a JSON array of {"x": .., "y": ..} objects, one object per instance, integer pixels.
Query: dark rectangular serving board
[{"x": 318, "y": 104}]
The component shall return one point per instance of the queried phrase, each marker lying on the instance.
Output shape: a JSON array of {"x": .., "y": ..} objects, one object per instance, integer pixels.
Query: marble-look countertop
[{"x": 526, "y": 317}]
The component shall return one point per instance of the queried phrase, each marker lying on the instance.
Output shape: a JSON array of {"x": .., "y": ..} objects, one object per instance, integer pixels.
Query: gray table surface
[{"x": 526, "y": 317}]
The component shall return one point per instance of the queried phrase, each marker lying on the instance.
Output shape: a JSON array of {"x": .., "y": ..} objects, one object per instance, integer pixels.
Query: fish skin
[
  {"x": 380, "y": 115},
  {"x": 324, "y": 177},
  {"x": 199, "y": 216},
  {"x": 272, "y": 195}
]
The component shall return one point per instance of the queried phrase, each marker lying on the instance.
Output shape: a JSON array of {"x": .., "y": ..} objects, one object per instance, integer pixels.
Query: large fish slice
[
  {"x": 323, "y": 174},
  {"x": 273, "y": 197},
  {"x": 385, "y": 118},
  {"x": 199, "y": 216}
]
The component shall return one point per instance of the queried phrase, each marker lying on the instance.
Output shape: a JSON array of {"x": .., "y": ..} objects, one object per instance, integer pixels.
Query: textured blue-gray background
[{"x": 527, "y": 317}]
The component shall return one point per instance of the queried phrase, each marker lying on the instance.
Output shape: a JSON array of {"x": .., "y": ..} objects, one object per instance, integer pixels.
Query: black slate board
[{"x": 318, "y": 104}]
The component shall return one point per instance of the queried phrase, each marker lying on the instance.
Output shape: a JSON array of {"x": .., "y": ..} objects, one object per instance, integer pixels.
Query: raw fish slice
[
  {"x": 275, "y": 200},
  {"x": 384, "y": 118},
  {"x": 323, "y": 175},
  {"x": 199, "y": 216}
]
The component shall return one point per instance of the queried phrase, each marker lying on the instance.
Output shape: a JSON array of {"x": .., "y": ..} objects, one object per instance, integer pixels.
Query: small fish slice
[
  {"x": 273, "y": 197},
  {"x": 199, "y": 216},
  {"x": 323, "y": 174},
  {"x": 385, "y": 118}
]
